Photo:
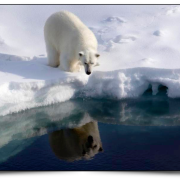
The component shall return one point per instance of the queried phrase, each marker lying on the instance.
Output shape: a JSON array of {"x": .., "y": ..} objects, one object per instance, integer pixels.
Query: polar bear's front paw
[{"x": 79, "y": 68}]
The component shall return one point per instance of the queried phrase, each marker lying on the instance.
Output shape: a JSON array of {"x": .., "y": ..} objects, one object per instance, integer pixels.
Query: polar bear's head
[
  {"x": 91, "y": 146},
  {"x": 89, "y": 60},
  {"x": 79, "y": 143}
]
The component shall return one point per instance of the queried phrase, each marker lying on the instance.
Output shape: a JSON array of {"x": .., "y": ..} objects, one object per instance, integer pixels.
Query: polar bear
[
  {"x": 77, "y": 143},
  {"x": 69, "y": 43}
]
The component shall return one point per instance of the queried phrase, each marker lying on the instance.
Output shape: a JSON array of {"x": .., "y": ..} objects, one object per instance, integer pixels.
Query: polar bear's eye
[
  {"x": 85, "y": 63},
  {"x": 97, "y": 55}
]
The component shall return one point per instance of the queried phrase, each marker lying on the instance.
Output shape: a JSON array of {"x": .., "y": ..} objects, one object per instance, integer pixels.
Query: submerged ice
[{"x": 29, "y": 125}]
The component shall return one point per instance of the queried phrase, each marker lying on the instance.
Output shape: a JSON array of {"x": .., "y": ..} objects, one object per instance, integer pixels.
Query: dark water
[{"x": 139, "y": 134}]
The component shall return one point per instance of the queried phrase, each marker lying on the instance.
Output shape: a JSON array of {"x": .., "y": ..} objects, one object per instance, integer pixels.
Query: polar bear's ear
[
  {"x": 81, "y": 53},
  {"x": 97, "y": 64},
  {"x": 97, "y": 55}
]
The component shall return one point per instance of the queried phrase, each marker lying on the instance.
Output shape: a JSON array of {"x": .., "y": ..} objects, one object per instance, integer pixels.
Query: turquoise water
[{"x": 89, "y": 134}]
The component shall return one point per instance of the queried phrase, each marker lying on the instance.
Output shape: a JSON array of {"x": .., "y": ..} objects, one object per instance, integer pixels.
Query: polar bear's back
[
  {"x": 64, "y": 19},
  {"x": 66, "y": 27}
]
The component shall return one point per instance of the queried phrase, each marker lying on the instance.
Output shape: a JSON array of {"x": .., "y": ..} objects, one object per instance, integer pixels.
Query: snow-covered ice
[
  {"x": 35, "y": 84},
  {"x": 139, "y": 47}
]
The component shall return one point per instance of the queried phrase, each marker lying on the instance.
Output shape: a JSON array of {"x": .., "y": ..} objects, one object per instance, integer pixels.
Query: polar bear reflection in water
[{"x": 78, "y": 143}]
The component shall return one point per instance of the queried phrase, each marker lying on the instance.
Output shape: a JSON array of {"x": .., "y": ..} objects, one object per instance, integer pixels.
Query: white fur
[{"x": 66, "y": 36}]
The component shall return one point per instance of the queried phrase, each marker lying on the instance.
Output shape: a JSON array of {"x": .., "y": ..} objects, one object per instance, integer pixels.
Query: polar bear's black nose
[
  {"x": 90, "y": 139},
  {"x": 88, "y": 73}
]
